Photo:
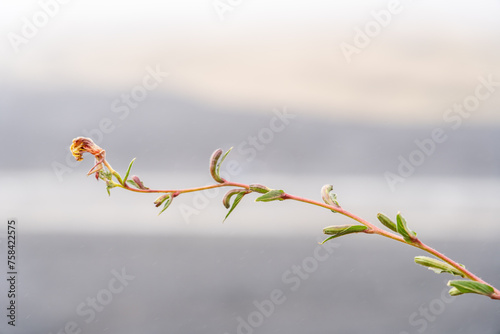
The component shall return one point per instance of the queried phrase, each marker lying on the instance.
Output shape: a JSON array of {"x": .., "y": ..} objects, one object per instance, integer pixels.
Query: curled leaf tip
[
  {"x": 216, "y": 161},
  {"x": 328, "y": 196},
  {"x": 213, "y": 164},
  {"x": 227, "y": 199}
]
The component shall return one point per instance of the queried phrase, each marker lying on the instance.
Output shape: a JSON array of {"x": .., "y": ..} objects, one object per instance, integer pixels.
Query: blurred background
[{"x": 395, "y": 103}]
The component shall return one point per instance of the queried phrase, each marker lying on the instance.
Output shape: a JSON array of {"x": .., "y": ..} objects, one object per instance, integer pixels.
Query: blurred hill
[{"x": 172, "y": 132}]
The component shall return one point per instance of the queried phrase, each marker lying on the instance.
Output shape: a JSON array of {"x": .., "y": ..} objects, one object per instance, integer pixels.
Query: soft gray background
[{"x": 351, "y": 123}]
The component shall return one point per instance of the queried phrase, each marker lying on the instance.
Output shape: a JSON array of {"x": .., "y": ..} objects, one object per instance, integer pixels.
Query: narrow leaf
[
  {"x": 259, "y": 188},
  {"x": 328, "y": 239},
  {"x": 237, "y": 200},
  {"x": 166, "y": 205},
  {"x": 403, "y": 229},
  {"x": 340, "y": 230},
  {"x": 222, "y": 160},
  {"x": 387, "y": 222},
  {"x": 227, "y": 197},
  {"x": 128, "y": 170},
  {"x": 437, "y": 266},
  {"x": 461, "y": 287},
  {"x": 272, "y": 195},
  {"x": 132, "y": 182}
]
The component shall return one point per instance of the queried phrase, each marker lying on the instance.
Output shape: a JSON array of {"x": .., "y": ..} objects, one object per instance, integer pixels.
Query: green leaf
[
  {"x": 128, "y": 170},
  {"x": 259, "y": 188},
  {"x": 461, "y": 287},
  {"x": 227, "y": 197},
  {"x": 387, "y": 222},
  {"x": 104, "y": 175},
  {"x": 162, "y": 198},
  {"x": 132, "y": 182},
  {"x": 272, "y": 195},
  {"x": 403, "y": 229},
  {"x": 329, "y": 197},
  {"x": 217, "y": 170},
  {"x": 237, "y": 200},
  {"x": 333, "y": 198},
  {"x": 167, "y": 203},
  {"x": 110, "y": 185},
  {"x": 437, "y": 266},
  {"x": 340, "y": 230}
]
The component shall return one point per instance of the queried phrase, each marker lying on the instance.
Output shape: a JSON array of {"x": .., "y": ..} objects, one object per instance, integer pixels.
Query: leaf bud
[
  {"x": 259, "y": 188},
  {"x": 213, "y": 165}
]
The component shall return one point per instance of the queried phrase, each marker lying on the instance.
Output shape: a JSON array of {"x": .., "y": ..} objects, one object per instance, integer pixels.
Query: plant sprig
[{"x": 398, "y": 231}]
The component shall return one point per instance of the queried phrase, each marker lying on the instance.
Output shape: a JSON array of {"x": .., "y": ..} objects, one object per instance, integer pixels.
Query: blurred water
[
  {"x": 198, "y": 275},
  {"x": 465, "y": 208},
  {"x": 199, "y": 284}
]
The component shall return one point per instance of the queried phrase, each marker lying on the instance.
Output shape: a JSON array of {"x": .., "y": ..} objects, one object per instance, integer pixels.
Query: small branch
[
  {"x": 185, "y": 191},
  {"x": 403, "y": 235}
]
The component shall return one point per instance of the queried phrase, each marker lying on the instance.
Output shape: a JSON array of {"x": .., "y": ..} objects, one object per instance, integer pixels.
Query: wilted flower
[{"x": 81, "y": 145}]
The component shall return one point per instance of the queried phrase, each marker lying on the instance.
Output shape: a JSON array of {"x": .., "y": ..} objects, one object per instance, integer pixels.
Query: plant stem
[{"x": 188, "y": 190}]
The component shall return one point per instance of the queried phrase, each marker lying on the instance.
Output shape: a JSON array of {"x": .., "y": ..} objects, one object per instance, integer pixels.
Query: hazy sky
[{"x": 421, "y": 57}]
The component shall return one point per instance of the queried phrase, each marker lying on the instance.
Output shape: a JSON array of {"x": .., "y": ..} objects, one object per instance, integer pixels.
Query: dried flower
[{"x": 81, "y": 145}]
